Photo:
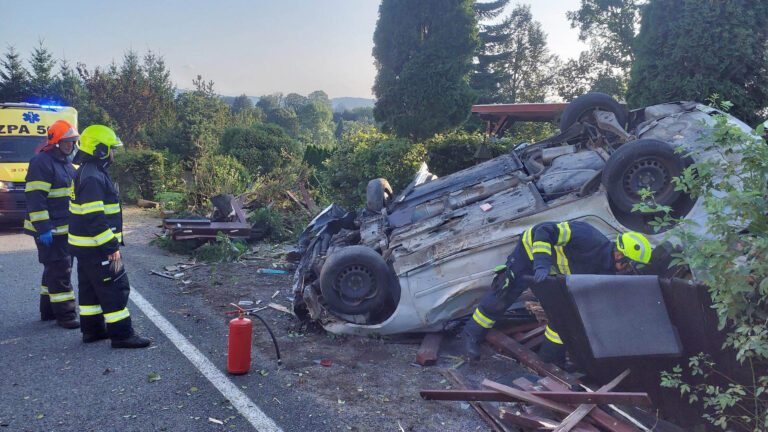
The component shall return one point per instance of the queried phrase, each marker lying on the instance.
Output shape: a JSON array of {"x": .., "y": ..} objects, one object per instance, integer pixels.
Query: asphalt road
[{"x": 51, "y": 381}]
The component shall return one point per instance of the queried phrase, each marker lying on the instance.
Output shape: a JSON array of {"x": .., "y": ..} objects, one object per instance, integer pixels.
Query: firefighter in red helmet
[{"x": 47, "y": 192}]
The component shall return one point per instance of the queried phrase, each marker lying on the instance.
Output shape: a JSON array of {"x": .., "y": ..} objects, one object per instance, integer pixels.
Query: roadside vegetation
[{"x": 435, "y": 60}]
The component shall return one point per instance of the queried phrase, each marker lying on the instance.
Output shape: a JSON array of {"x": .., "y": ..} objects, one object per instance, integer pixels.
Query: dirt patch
[{"x": 371, "y": 383}]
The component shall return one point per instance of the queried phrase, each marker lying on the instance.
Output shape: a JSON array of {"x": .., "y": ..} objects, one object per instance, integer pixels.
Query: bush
[
  {"x": 261, "y": 148},
  {"x": 270, "y": 225},
  {"x": 217, "y": 174},
  {"x": 453, "y": 152},
  {"x": 366, "y": 155},
  {"x": 175, "y": 201},
  {"x": 223, "y": 249},
  {"x": 139, "y": 173}
]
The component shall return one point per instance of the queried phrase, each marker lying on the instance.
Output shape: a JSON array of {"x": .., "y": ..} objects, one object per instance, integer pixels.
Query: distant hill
[{"x": 350, "y": 103}]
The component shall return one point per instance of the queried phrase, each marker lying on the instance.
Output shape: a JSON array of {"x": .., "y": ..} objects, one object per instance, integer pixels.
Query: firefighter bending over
[
  {"x": 95, "y": 236},
  {"x": 551, "y": 248},
  {"x": 47, "y": 191}
]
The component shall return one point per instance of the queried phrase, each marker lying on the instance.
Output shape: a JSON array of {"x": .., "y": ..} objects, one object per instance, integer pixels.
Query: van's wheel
[
  {"x": 377, "y": 194},
  {"x": 356, "y": 280},
  {"x": 581, "y": 108},
  {"x": 640, "y": 164}
]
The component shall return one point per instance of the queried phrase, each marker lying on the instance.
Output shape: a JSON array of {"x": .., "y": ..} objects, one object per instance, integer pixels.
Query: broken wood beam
[
  {"x": 529, "y": 358},
  {"x": 430, "y": 346},
  {"x": 616, "y": 425},
  {"x": 528, "y": 421},
  {"x": 579, "y": 413},
  {"x": 520, "y": 328},
  {"x": 567, "y": 397},
  {"x": 525, "y": 337},
  {"x": 606, "y": 421},
  {"x": 535, "y": 342},
  {"x": 487, "y": 411}
]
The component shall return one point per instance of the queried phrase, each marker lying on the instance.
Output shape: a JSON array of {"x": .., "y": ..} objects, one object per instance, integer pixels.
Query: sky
[{"x": 255, "y": 47}]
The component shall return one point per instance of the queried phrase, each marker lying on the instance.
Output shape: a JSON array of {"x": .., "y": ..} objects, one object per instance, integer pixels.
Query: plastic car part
[
  {"x": 575, "y": 110},
  {"x": 356, "y": 280},
  {"x": 645, "y": 163},
  {"x": 377, "y": 194}
]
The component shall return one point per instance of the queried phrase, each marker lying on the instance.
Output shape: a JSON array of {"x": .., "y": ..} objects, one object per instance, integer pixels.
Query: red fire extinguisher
[{"x": 239, "y": 351}]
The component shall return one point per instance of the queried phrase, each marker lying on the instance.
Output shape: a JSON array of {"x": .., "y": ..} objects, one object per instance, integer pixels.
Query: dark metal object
[{"x": 185, "y": 229}]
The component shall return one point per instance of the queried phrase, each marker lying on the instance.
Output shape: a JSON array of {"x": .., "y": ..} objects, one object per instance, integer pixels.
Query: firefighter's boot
[
  {"x": 95, "y": 337},
  {"x": 474, "y": 335},
  {"x": 552, "y": 352},
  {"x": 68, "y": 323},
  {"x": 133, "y": 341}
]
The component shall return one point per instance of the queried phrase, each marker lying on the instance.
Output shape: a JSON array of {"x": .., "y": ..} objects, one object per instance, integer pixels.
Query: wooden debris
[
  {"x": 575, "y": 417},
  {"x": 568, "y": 397},
  {"x": 165, "y": 275},
  {"x": 525, "y": 337},
  {"x": 535, "y": 342},
  {"x": 280, "y": 308},
  {"x": 147, "y": 204},
  {"x": 487, "y": 411},
  {"x": 430, "y": 346},
  {"x": 528, "y": 358}
]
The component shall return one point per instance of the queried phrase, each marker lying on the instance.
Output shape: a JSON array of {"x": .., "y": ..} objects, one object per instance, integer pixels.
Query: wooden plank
[
  {"x": 534, "y": 343},
  {"x": 575, "y": 417},
  {"x": 604, "y": 420},
  {"x": 613, "y": 424},
  {"x": 427, "y": 354},
  {"x": 520, "y": 328},
  {"x": 529, "y": 358},
  {"x": 519, "y": 418},
  {"x": 525, "y": 337},
  {"x": 568, "y": 397},
  {"x": 528, "y": 386},
  {"x": 486, "y": 410}
]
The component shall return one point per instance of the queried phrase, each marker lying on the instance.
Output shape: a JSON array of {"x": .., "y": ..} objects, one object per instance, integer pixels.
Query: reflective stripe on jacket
[
  {"x": 47, "y": 192},
  {"x": 569, "y": 248},
  {"x": 96, "y": 219}
]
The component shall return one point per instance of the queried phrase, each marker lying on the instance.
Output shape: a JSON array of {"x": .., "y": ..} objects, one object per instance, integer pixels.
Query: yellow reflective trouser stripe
[
  {"x": 116, "y": 316},
  {"x": 111, "y": 208},
  {"x": 90, "y": 310},
  {"x": 482, "y": 319},
  {"x": 91, "y": 241},
  {"x": 61, "y": 297},
  {"x": 91, "y": 207},
  {"x": 60, "y": 192},
  {"x": 542, "y": 247},
  {"x": 527, "y": 243},
  {"x": 551, "y": 335},
  {"x": 38, "y": 215},
  {"x": 37, "y": 185},
  {"x": 43, "y": 290},
  {"x": 564, "y": 235},
  {"x": 562, "y": 261}
]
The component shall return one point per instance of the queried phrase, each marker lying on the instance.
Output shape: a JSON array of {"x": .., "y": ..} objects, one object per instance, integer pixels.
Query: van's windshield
[{"x": 19, "y": 148}]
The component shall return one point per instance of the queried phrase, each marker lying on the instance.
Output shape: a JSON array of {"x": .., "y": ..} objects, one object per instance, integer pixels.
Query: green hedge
[{"x": 138, "y": 173}]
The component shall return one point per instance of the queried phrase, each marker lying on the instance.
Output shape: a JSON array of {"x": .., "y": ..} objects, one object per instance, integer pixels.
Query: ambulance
[{"x": 23, "y": 132}]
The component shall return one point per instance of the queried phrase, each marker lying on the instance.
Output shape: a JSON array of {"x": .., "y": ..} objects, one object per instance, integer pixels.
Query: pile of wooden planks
[{"x": 549, "y": 403}]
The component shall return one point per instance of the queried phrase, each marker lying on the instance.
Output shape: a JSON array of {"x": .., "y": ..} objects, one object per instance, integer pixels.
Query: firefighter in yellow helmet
[
  {"x": 551, "y": 248},
  {"x": 95, "y": 236},
  {"x": 47, "y": 190}
]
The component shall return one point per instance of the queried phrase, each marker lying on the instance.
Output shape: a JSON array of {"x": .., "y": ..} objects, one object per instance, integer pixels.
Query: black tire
[
  {"x": 589, "y": 102},
  {"x": 377, "y": 194},
  {"x": 356, "y": 280},
  {"x": 640, "y": 164}
]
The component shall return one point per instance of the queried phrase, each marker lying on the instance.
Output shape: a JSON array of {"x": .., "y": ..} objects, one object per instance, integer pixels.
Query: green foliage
[
  {"x": 261, "y": 148},
  {"x": 41, "y": 82},
  {"x": 14, "y": 79},
  {"x": 271, "y": 226},
  {"x": 365, "y": 155},
  {"x": 690, "y": 49},
  {"x": 241, "y": 103},
  {"x": 175, "y": 201},
  {"x": 453, "y": 152},
  {"x": 423, "y": 53},
  {"x": 140, "y": 173},
  {"x": 729, "y": 256},
  {"x": 181, "y": 247},
  {"x": 513, "y": 63},
  {"x": 218, "y": 174},
  {"x": 223, "y": 249}
]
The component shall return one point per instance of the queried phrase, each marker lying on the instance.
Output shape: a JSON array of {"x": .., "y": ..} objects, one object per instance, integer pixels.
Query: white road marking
[{"x": 237, "y": 398}]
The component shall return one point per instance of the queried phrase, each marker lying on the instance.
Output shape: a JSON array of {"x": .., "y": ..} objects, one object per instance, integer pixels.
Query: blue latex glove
[
  {"x": 46, "y": 238},
  {"x": 541, "y": 274}
]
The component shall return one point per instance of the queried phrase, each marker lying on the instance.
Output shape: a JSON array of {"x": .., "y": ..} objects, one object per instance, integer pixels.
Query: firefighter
[
  {"x": 95, "y": 236},
  {"x": 552, "y": 248},
  {"x": 47, "y": 191}
]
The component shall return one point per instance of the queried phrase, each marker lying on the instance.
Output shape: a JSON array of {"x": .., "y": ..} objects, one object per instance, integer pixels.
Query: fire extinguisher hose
[{"x": 274, "y": 340}]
